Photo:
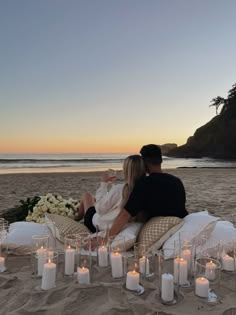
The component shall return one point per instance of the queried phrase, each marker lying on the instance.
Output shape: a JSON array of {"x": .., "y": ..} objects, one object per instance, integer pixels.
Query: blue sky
[{"x": 110, "y": 76}]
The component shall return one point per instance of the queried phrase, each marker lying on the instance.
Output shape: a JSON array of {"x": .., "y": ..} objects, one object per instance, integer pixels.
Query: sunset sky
[{"x": 90, "y": 76}]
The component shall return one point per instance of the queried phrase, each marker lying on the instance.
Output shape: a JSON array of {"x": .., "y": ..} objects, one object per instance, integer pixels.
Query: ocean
[{"x": 41, "y": 163}]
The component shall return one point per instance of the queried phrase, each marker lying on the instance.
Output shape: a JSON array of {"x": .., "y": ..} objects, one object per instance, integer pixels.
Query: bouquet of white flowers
[{"x": 53, "y": 204}]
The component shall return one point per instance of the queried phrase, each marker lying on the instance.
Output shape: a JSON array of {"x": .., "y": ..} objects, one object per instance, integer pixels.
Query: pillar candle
[
  {"x": 187, "y": 255},
  {"x": 201, "y": 287},
  {"x": 41, "y": 255},
  {"x": 102, "y": 256},
  {"x": 132, "y": 280},
  {"x": 116, "y": 265},
  {"x": 69, "y": 261},
  {"x": 49, "y": 276},
  {"x": 83, "y": 275},
  {"x": 167, "y": 287},
  {"x": 210, "y": 270},
  {"x": 180, "y": 271},
  {"x": 144, "y": 264},
  {"x": 2, "y": 263},
  {"x": 228, "y": 263}
]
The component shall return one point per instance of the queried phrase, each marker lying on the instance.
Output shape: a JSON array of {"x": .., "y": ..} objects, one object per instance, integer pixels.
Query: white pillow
[
  {"x": 195, "y": 225},
  {"x": 19, "y": 238},
  {"x": 129, "y": 232},
  {"x": 224, "y": 231}
]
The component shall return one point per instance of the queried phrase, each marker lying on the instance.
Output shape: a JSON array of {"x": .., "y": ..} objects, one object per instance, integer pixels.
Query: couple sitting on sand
[{"x": 141, "y": 197}]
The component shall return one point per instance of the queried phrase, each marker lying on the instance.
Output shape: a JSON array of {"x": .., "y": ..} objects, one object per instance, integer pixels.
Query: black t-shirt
[{"x": 159, "y": 194}]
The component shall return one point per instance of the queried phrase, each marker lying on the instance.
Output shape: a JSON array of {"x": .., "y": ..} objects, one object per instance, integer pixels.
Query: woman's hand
[{"x": 105, "y": 177}]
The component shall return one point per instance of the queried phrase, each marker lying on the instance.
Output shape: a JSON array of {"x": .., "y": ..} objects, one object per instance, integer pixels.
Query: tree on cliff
[
  {"x": 227, "y": 103},
  {"x": 217, "y": 101}
]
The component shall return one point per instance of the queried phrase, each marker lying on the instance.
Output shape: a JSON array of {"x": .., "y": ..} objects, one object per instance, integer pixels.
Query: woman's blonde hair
[{"x": 134, "y": 169}]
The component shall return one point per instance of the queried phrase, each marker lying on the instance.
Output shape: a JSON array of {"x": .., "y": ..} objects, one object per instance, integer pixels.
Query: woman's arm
[{"x": 110, "y": 200}]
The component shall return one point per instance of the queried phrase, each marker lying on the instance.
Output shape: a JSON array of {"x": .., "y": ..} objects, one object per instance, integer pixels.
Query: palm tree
[{"x": 217, "y": 101}]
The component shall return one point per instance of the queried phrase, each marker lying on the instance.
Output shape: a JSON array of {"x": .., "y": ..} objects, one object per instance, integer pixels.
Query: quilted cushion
[
  {"x": 65, "y": 226},
  {"x": 157, "y": 230}
]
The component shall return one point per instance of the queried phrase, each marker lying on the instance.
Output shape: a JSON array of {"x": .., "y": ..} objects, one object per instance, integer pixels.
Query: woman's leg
[{"x": 86, "y": 202}]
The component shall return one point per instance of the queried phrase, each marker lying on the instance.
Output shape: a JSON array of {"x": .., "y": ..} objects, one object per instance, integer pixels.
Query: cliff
[{"x": 217, "y": 138}]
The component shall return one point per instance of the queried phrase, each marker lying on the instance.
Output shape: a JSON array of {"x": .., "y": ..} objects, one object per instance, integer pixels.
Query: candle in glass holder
[
  {"x": 2, "y": 263},
  {"x": 210, "y": 270},
  {"x": 83, "y": 275},
  {"x": 116, "y": 265},
  {"x": 167, "y": 287},
  {"x": 49, "y": 276},
  {"x": 187, "y": 254},
  {"x": 132, "y": 280},
  {"x": 102, "y": 256},
  {"x": 41, "y": 255},
  {"x": 227, "y": 263},
  {"x": 180, "y": 271},
  {"x": 69, "y": 261},
  {"x": 201, "y": 287},
  {"x": 144, "y": 264}
]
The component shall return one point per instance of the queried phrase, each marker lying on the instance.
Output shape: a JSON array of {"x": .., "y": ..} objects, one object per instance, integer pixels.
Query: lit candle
[
  {"x": 49, "y": 276},
  {"x": 187, "y": 255},
  {"x": 144, "y": 265},
  {"x": 69, "y": 261},
  {"x": 102, "y": 256},
  {"x": 41, "y": 254},
  {"x": 180, "y": 271},
  {"x": 116, "y": 265},
  {"x": 210, "y": 270},
  {"x": 132, "y": 280},
  {"x": 228, "y": 263},
  {"x": 83, "y": 275},
  {"x": 2, "y": 263},
  {"x": 167, "y": 287},
  {"x": 201, "y": 287}
]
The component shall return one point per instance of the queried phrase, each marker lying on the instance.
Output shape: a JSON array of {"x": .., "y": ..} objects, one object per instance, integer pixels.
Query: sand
[{"x": 210, "y": 189}]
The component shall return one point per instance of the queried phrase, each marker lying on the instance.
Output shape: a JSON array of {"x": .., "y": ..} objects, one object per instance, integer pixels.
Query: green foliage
[{"x": 20, "y": 212}]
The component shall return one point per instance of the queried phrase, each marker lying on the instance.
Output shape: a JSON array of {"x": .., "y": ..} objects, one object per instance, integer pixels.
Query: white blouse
[{"x": 107, "y": 205}]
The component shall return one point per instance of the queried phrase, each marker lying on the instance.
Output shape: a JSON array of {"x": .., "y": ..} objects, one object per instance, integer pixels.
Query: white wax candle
[
  {"x": 210, "y": 270},
  {"x": 116, "y": 265},
  {"x": 180, "y": 271},
  {"x": 2, "y": 263},
  {"x": 201, "y": 287},
  {"x": 69, "y": 261},
  {"x": 167, "y": 287},
  {"x": 228, "y": 263},
  {"x": 102, "y": 256},
  {"x": 187, "y": 255},
  {"x": 132, "y": 280},
  {"x": 83, "y": 275},
  {"x": 144, "y": 264},
  {"x": 41, "y": 254},
  {"x": 49, "y": 276}
]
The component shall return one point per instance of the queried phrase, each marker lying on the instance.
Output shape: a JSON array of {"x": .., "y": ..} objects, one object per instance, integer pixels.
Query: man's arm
[{"x": 121, "y": 220}]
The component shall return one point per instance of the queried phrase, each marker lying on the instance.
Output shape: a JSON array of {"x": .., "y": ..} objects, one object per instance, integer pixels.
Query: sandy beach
[
  {"x": 206, "y": 189},
  {"x": 211, "y": 189}
]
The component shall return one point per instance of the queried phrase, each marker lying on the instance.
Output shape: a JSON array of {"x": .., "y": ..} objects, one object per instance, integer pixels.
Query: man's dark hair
[{"x": 151, "y": 153}]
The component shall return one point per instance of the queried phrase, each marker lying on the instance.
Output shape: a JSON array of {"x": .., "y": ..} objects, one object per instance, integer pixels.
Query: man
[{"x": 159, "y": 194}]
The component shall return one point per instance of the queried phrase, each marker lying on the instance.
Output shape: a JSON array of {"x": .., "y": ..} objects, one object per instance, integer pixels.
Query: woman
[{"x": 105, "y": 209}]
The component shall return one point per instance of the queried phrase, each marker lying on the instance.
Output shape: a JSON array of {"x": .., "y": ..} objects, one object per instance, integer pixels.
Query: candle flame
[
  {"x": 41, "y": 247},
  {"x": 49, "y": 261},
  {"x": 69, "y": 247}
]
